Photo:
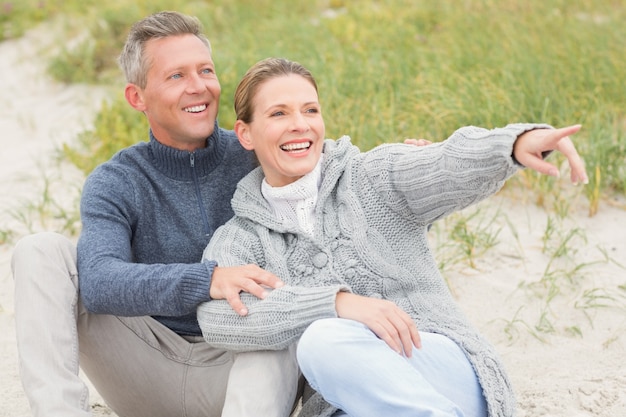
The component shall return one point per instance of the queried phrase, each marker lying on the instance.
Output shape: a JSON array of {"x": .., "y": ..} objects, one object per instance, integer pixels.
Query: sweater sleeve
[
  {"x": 272, "y": 323},
  {"x": 112, "y": 280},
  {"x": 430, "y": 182}
]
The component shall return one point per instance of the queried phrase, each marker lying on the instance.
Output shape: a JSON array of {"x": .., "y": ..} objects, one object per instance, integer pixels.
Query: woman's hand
[
  {"x": 529, "y": 148},
  {"x": 389, "y": 322}
]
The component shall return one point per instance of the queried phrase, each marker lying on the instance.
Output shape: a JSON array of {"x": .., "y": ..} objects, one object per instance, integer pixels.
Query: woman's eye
[
  {"x": 207, "y": 71},
  {"x": 176, "y": 76},
  {"x": 312, "y": 110},
  {"x": 277, "y": 113}
]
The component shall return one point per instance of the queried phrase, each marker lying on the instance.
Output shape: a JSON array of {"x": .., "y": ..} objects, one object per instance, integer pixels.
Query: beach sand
[{"x": 559, "y": 324}]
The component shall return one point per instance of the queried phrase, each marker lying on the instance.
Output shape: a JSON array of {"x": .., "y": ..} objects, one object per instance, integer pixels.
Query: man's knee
[
  {"x": 50, "y": 246},
  {"x": 38, "y": 243}
]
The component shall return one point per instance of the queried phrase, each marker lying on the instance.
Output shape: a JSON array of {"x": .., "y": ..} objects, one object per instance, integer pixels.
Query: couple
[{"x": 359, "y": 293}]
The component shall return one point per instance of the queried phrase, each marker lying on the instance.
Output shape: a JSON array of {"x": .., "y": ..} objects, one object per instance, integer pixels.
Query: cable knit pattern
[{"x": 370, "y": 238}]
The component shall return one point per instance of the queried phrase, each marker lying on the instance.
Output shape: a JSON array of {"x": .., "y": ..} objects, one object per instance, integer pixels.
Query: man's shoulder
[
  {"x": 126, "y": 157},
  {"x": 121, "y": 165},
  {"x": 236, "y": 155}
]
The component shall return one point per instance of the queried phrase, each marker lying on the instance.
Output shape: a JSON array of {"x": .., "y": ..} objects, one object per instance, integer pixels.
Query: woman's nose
[{"x": 299, "y": 122}]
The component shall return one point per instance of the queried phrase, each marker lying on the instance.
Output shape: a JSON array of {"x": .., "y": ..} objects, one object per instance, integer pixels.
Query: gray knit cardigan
[{"x": 370, "y": 238}]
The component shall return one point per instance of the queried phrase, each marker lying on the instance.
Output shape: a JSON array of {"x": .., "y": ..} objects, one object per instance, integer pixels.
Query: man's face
[{"x": 181, "y": 98}]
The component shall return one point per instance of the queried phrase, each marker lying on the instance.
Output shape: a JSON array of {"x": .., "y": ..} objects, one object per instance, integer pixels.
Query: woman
[{"x": 347, "y": 233}]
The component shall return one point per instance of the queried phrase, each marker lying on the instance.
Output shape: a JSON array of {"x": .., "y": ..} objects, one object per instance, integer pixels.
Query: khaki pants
[{"x": 140, "y": 367}]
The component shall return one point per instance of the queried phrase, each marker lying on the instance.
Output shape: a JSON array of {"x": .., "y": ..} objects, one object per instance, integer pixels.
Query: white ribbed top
[{"x": 295, "y": 203}]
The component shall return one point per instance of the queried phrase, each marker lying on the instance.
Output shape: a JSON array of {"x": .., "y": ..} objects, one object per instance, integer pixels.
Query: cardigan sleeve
[
  {"x": 430, "y": 182},
  {"x": 272, "y": 323}
]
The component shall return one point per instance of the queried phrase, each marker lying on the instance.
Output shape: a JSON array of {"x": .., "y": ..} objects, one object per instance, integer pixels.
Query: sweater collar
[
  {"x": 184, "y": 165},
  {"x": 304, "y": 188},
  {"x": 248, "y": 201}
]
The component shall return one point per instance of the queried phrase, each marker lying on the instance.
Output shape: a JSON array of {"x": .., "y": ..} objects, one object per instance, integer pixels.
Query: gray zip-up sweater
[
  {"x": 147, "y": 215},
  {"x": 370, "y": 238}
]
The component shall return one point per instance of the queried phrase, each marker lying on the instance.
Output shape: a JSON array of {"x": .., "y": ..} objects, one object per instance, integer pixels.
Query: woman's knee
[{"x": 325, "y": 338}]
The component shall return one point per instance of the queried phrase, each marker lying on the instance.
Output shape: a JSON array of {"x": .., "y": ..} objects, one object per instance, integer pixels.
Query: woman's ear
[
  {"x": 134, "y": 97},
  {"x": 243, "y": 133}
]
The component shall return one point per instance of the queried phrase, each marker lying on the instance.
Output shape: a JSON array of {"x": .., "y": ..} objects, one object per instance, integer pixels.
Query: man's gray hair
[{"x": 133, "y": 60}]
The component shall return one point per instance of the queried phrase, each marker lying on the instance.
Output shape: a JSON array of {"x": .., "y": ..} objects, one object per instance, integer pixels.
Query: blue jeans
[{"x": 361, "y": 375}]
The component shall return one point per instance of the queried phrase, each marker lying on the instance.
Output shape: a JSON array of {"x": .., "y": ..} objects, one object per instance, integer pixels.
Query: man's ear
[
  {"x": 243, "y": 133},
  {"x": 134, "y": 97}
]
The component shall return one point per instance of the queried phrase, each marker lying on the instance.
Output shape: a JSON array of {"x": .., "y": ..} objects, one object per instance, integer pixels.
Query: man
[{"x": 147, "y": 215}]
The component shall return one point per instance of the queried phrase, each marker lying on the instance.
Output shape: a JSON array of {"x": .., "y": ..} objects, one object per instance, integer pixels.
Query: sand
[{"x": 560, "y": 332}]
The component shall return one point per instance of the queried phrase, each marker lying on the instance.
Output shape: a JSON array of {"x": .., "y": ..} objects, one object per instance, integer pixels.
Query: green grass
[
  {"x": 386, "y": 69},
  {"x": 394, "y": 69}
]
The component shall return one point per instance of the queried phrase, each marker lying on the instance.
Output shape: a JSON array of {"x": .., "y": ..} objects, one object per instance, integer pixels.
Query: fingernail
[{"x": 554, "y": 172}]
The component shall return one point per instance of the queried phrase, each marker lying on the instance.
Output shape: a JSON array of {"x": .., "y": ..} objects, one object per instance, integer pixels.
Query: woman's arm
[
  {"x": 276, "y": 320},
  {"x": 272, "y": 323},
  {"x": 427, "y": 183}
]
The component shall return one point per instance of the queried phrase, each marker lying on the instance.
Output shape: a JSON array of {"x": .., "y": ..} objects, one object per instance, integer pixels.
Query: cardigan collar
[
  {"x": 184, "y": 165},
  {"x": 248, "y": 201}
]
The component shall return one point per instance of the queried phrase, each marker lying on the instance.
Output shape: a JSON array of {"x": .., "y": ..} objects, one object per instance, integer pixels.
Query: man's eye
[
  {"x": 176, "y": 76},
  {"x": 207, "y": 71},
  {"x": 277, "y": 113}
]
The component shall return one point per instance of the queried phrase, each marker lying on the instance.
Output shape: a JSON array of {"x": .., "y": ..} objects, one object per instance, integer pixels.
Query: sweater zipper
[{"x": 196, "y": 182}]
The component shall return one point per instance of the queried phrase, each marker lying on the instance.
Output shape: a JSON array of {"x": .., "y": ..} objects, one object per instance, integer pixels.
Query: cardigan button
[
  {"x": 320, "y": 260},
  {"x": 351, "y": 263}
]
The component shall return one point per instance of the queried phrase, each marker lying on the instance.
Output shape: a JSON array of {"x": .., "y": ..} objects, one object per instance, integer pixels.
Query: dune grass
[
  {"x": 392, "y": 69},
  {"x": 387, "y": 70}
]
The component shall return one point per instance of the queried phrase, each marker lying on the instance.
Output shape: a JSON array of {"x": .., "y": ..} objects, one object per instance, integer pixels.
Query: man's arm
[{"x": 112, "y": 279}]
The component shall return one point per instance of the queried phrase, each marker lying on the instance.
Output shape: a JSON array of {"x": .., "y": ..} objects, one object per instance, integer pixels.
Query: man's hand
[
  {"x": 529, "y": 147},
  {"x": 417, "y": 142},
  {"x": 388, "y": 321},
  {"x": 228, "y": 282}
]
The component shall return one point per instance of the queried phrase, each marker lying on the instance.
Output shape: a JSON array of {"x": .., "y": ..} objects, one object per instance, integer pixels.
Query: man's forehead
[{"x": 177, "y": 53}]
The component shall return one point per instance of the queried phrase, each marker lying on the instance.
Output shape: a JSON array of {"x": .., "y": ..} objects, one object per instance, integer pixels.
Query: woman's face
[{"x": 287, "y": 129}]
